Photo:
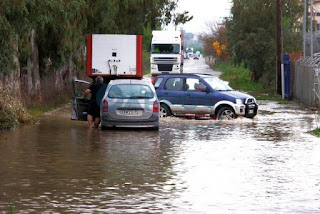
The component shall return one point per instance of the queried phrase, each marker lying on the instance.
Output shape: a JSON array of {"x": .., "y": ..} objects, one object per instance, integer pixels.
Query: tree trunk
[
  {"x": 35, "y": 66},
  {"x": 12, "y": 80},
  {"x": 29, "y": 77}
]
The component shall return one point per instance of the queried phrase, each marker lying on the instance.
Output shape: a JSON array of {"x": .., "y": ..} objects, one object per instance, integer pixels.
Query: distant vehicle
[
  {"x": 183, "y": 94},
  {"x": 130, "y": 103},
  {"x": 166, "y": 52},
  {"x": 195, "y": 56},
  {"x": 189, "y": 52}
]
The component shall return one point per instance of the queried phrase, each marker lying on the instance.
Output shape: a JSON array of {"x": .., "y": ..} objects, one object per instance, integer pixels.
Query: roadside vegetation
[
  {"x": 316, "y": 132},
  {"x": 239, "y": 78},
  {"x": 12, "y": 112},
  {"x": 248, "y": 38},
  {"x": 38, "y": 109}
]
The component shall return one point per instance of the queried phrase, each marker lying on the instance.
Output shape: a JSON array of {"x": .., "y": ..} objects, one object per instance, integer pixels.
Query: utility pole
[
  {"x": 304, "y": 28},
  {"x": 311, "y": 29},
  {"x": 279, "y": 47}
]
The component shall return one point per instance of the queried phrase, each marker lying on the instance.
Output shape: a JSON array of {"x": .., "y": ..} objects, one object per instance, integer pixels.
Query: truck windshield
[{"x": 165, "y": 48}]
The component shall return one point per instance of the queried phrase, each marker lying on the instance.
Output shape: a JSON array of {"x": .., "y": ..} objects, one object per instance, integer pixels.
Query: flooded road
[{"x": 270, "y": 164}]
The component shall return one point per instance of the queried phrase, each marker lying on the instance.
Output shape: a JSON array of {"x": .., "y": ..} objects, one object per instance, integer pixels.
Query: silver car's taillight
[
  {"x": 104, "y": 106},
  {"x": 156, "y": 106}
]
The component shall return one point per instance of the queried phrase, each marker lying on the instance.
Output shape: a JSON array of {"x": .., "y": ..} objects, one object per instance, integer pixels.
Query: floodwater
[{"x": 270, "y": 164}]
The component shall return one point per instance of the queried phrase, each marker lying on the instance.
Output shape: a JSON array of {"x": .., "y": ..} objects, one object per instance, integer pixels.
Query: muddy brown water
[{"x": 270, "y": 164}]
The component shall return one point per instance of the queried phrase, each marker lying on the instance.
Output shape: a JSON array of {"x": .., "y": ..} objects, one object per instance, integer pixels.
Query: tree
[
  {"x": 216, "y": 35},
  {"x": 251, "y": 33},
  {"x": 181, "y": 18},
  {"x": 42, "y": 37}
]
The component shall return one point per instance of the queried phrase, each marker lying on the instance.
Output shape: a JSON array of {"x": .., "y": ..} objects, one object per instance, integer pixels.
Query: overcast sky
[{"x": 203, "y": 11}]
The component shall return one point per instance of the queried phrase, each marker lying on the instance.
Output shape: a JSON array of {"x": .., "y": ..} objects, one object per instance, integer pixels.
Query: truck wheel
[
  {"x": 226, "y": 113},
  {"x": 165, "y": 110}
]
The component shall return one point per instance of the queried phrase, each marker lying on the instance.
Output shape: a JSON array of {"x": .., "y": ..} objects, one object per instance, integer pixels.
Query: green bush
[
  {"x": 316, "y": 132},
  {"x": 146, "y": 62},
  {"x": 238, "y": 77},
  {"x": 12, "y": 112}
]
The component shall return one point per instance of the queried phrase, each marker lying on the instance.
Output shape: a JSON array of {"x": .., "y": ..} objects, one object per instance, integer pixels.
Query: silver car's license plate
[{"x": 131, "y": 112}]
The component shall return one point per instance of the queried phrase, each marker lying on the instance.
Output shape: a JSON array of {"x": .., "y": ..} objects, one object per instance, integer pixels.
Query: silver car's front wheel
[
  {"x": 226, "y": 113},
  {"x": 164, "y": 110}
]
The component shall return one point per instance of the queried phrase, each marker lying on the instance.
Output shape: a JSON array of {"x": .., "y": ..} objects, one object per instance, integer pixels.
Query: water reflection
[{"x": 269, "y": 164}]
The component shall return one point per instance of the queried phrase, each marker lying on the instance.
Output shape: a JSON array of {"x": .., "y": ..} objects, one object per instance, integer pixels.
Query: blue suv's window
[
  {"x": 193, "y": 84},
  {"x": 174, "y": 84},
  {"x": 158, "y": 82}
]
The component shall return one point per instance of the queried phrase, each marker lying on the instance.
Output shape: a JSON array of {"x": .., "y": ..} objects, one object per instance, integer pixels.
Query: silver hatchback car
[{"x": 130, "y": 103}]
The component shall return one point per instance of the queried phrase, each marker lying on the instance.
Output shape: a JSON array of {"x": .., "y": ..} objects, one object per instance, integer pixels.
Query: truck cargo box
[{"x": 114, "y": 56}]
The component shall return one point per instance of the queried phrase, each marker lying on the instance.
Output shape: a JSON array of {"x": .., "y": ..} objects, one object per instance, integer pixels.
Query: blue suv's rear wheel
[
  {"x": 226, "y": 113},
  {"x": 165, "y": 110}
]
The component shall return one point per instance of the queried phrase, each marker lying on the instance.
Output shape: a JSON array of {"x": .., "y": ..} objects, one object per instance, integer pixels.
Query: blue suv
[{"x": 202, "y": 94}]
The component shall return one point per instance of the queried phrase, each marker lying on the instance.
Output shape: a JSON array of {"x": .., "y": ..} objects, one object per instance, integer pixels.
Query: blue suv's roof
[{"x": 187, "y": 75}]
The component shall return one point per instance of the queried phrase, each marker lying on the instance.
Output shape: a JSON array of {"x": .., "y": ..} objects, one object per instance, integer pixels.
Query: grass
[
  {"x": 147, "y": 72},
  {"x": 316, "y": 132},
  {"x": 11, "y": 208},
  {"x": 239, "y": 79},
  {"x": 38, "y": 109}
]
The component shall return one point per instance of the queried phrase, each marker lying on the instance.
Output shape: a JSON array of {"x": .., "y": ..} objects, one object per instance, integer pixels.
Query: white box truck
[
  {"x": 166, "y": 52},
  {"x": 114, "y": 56},
  {"x": 111, "y": 56}
]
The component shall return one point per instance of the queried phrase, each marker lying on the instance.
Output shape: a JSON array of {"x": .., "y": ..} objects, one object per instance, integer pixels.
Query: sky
[{"x": 203, "y": 11}]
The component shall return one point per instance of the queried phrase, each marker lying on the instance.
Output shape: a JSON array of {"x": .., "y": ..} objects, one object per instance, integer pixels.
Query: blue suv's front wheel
[{"x": 226, "y": 113}]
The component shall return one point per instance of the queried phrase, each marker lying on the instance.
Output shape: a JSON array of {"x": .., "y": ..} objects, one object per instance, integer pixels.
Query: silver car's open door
[{"x": 79, "y": 105}]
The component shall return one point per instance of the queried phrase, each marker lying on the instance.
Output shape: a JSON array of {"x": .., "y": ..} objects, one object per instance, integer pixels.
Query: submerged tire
[
  {"x": 226, "y": 113},
  {"x": 165, "y": 110}
]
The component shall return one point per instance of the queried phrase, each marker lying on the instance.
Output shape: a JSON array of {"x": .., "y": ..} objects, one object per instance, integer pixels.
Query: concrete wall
[{"x": 304, "y": 79}]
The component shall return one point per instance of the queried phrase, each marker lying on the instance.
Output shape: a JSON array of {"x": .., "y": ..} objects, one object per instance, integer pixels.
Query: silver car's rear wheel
[
  {"x": 226, "y": 113},
  {"x": 164, "y": 110}
]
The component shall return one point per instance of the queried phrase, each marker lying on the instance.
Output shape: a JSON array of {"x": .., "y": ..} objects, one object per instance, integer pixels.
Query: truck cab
[{"x": 166, "y": 52}]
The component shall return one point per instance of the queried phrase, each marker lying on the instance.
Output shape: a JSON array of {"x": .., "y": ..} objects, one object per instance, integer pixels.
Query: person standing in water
[{"x": 93, "y": 115}]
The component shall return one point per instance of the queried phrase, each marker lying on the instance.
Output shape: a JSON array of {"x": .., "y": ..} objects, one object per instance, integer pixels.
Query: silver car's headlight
[{"x": 239, "y": 101}]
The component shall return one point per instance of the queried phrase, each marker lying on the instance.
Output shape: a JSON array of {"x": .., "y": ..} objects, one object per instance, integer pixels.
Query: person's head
[{"x": 99, "y": 79}]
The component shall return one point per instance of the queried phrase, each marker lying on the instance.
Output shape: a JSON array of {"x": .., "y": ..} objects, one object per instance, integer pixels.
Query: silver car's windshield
[
  {"x": 130, "y": 91},
  {"x": 217, "y": 84}
]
